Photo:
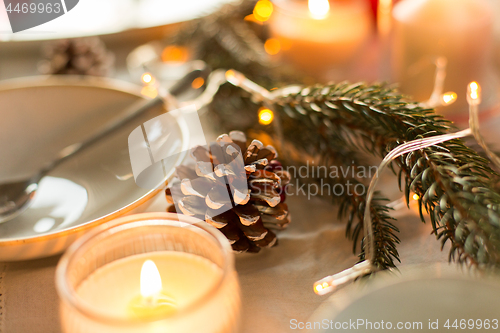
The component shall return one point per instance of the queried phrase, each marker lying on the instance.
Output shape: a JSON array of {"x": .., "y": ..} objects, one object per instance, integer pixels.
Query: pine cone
[
  {"x": 238, "y": 193},
  {"x": 81, "y": 56}
]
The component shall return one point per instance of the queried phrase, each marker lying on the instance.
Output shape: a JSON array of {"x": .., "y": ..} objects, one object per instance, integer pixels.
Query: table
[{"x": 276, "y": 283}]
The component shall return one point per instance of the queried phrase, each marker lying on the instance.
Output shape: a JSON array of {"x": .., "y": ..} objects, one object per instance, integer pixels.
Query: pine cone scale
[{"x": 247, "y": 214}]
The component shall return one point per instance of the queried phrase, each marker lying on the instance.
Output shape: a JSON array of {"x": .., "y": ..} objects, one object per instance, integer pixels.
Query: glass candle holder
[{"x": 152, "y": 272}]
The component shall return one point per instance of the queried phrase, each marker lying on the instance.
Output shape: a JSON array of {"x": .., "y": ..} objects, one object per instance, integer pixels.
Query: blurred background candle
[
  {"x": 460, "y": 30},
  {"x": 318, "y": 35},
  {"x": 150, "y": 273}
]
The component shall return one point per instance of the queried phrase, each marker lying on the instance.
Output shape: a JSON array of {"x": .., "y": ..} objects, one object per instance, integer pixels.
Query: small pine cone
[
  {"x": 236, "y": 188},
  {"x": 79, "y": 56}
]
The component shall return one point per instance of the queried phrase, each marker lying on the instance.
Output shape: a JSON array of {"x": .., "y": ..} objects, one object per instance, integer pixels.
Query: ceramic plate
[
  {"x": 41, "y": 116},
  {"x": 429, "y": 297}
]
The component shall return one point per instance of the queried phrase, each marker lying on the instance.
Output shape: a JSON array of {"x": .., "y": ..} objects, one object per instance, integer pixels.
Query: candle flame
[
  {"x": 150, "y": 279},
  {"x": 474, "y": 93},
  {"x": 415, "y": 196},
  {"x": 319, "y": 8}
]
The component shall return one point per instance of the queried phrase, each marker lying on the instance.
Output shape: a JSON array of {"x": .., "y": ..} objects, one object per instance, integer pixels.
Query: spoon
[{"x": 15, "y": 196}]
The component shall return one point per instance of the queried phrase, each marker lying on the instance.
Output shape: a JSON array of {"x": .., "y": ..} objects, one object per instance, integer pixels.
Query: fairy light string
[{"x": 333, "y": 282}]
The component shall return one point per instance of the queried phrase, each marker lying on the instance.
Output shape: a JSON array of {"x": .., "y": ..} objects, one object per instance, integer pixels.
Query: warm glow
[
  {"x": 149, "y": 91},
  {"x": 150, "y": 279},
  {"x": 285, "y": 43},
  {"x": 474, "y": 90},
  {"x": 174, "y": 53},
  {"x": 272, "y": 46},
  {"x": 319, "y": 8},
  {"x": 147, "y": 78},
  {"x": 235, "y": 78},
  {"x": 251, "y": 18},
  {"x": 415, "y": 197},
  {"x": 266, "y": 116},
  {"x": 319, "y": 288},
  {"x": 198, "y": 83},
  {"x": 449, "y": 98},
  {"x": 230, "y": 75},
  {"x": 384, "y": 16},
  {"x": 152, "y": 302},
  {"x": 263, "y": 10}
]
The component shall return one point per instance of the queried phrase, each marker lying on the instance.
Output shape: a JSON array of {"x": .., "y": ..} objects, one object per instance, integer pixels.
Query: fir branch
[{"x": 452, "y": 180}]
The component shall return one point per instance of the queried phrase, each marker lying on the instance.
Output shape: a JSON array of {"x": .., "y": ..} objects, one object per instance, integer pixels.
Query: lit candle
[
  {"x": 424, "y": 30},
  {"x": 168, "y": 281},
  {"x": 318, "y": 35},
  {"x": 153, "y": 300},
  {"x": 147, "y": 273}
]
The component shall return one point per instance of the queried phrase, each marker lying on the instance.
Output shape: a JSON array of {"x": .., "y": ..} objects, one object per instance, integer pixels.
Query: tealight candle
[
  {"x": 150, "y": 273},
  {"x": 318, "y": 35},
  {"x": 458, "y": 30}
]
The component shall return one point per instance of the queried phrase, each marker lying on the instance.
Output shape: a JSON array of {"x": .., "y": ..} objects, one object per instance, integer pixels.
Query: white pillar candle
[
  {"x": 318, "y": 35},
  {"x": 460, "y": 30}
]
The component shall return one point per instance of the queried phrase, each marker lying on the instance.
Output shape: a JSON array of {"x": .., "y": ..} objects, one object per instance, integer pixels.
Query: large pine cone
[
  {"x": 238, "y": 193},
  {"x": 80, "y": 56}
]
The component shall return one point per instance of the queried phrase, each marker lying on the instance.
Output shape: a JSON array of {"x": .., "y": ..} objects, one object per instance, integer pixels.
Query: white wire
[{"x": 395, "y": 153}]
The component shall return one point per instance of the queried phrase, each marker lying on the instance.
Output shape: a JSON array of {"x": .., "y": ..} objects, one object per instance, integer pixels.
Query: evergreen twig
[{"x": 452, "y": 181}]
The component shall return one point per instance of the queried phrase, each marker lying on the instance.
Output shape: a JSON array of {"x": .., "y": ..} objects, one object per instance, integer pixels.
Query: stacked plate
[{"x": 41, "y": 116}]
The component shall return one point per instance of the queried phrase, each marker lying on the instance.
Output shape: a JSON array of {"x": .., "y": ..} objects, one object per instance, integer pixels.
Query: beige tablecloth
[{"x": 276, "y": 283}]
